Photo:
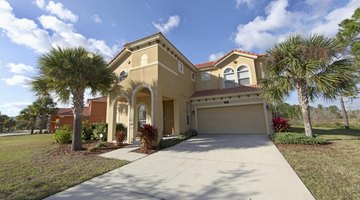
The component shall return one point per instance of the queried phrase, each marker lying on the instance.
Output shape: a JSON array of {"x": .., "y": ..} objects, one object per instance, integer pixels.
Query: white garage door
[{"x": 244, "y": 119}]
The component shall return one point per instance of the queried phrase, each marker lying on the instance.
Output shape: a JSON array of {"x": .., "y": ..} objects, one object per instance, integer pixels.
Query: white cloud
[
  {"x": 18, "y": 80},
  {"x": 54, "y": 32},
  {"x": 279, "y": 22},
  {"x": 330, "y": 23},
  {"x": 40, "y": 3},
  {"x": 215, "y": 56},
  {"x": 13, "y": 109},
  {"x": 65, "y": 35},
  {"x": 172, "y": 22},
  {"x": 57, "y": 9},
  {"x": 22, "y": 31},
  {"x": 249, "y": 3},
  {"x": 96, "y": 18},
  {"x": 19, "y": 68},
  {"x": 256, "y": 34}
]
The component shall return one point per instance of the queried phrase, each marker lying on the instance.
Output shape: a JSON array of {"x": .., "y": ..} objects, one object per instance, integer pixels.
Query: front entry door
[{"x": 168, "y": 114}]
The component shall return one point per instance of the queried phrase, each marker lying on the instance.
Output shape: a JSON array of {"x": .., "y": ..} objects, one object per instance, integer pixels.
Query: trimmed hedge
[
  {"x": 297, "y": 138},
  {"x": 165, "y": 143}
]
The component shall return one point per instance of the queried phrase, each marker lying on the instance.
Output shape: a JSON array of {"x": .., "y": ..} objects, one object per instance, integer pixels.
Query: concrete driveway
[{"x": 205, "y": 167}]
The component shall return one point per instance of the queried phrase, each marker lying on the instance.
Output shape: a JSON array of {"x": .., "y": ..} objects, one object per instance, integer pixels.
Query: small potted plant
[{"x": 147, "y": 134}]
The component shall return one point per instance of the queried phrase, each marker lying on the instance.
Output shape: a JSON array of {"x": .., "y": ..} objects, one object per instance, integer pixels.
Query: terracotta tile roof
[
  {"x": 205, "y": 65},
  {"x": 212, "y": 63},
  {"x": 68, "y": 111},
  {"x": 98, "y": 99},
  {"x": 202, "y": 93}
]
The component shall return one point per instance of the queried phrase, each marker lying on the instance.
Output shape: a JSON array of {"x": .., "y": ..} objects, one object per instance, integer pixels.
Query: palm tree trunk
[
  {"x": 32, "y": 126},
  {"x": 41, "y": 124},
  {"x": 78, "y": 103},
  {"x": 303, "y": 98},
  {"x": 345, "y": 116}
]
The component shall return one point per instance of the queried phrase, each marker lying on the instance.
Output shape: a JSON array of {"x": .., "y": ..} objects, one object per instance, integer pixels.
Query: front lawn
[
  {"x": 329, "y": 171},
  {"x": 31, "y": 169}
]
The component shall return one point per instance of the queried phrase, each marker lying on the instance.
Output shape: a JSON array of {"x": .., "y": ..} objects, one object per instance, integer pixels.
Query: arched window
[
  {"x": 141, "y": 115},
  {"x": 243, "y": 75},
  {"x": 144, "y": 60},
  {"x": 229, "y": 78},
  {"x": 123, "y": 75}
]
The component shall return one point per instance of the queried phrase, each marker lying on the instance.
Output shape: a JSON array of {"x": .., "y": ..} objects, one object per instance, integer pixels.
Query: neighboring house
[
  {"x": 94, "y": 113},
  {"x": 160, "y": 86}
]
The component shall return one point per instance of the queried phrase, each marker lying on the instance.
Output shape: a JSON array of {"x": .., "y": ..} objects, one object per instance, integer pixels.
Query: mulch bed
[
  {"x": 89, "y": 148},
  {"x": 150, "y": 151}
]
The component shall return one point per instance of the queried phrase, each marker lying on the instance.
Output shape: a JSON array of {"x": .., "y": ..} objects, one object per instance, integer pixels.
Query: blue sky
[{"x": 201, "y": 29}]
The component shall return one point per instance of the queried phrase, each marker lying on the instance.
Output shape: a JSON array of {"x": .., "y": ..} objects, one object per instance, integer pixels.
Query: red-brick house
[{"x": 94, "y": 113}]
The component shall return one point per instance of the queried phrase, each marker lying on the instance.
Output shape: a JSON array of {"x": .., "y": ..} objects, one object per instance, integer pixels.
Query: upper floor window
[
  {"x": 123, "y": 75},
  {"x": 243, "y": 75},
  {"x": 144, "y": 60},
  {"x": 204, "y": 76},
  {"x": 192, "y": 76},
  {"x": 229, "y": 78},
  {"x": 180, "y": 67}
]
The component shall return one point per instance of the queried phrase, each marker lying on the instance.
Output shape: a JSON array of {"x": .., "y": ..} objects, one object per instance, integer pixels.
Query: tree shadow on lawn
[{"x": 332, "y": 133}]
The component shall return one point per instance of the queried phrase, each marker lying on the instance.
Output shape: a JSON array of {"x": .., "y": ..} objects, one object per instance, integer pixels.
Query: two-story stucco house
[{"x": 160, "y": 86}]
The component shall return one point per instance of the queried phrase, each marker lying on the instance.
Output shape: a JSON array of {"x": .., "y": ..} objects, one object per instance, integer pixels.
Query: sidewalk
[{"x": 124, "y": 153}]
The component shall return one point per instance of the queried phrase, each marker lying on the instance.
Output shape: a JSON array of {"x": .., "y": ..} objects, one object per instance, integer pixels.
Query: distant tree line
[
  {"x": 34, "y": 116},
  {"x": 329, "y": 114}
]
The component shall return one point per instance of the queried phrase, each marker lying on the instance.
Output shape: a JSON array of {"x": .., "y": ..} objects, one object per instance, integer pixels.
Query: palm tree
[
  {"x": 311, "y": 66},
  {"x": 67, "y": 73},
  {"x": 45, "y": 106},
  {"x": 29, "y": 116}
]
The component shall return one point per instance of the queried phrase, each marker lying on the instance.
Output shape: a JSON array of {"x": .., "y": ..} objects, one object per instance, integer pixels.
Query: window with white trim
[
  {"x": 229, "y": 78},
  {"x": 243, "y": 74},
  {"x": 123, "y": 75},
  {"x": 144, "y": 60},
  {"x": 141, "y": 115},
  {"x": 180, "y": 67},
  {"x": 205, "y": 76},
  {"x": 192, "y": 76}
]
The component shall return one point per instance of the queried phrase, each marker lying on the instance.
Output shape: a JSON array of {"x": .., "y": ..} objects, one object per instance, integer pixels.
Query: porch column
[
  {"x": 111, "y": 119},
  {"x": 131, "y": 133}
]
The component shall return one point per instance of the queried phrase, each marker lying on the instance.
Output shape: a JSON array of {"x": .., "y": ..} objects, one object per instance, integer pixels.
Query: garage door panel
[{"x": 244, "y": 119}]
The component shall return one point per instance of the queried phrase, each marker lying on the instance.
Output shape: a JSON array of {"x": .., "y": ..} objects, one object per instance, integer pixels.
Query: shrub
[
  {"x": 147, "y": 134},
  {"x": 297, "y": 138},
  {"x": 121, "y": 127},
  {"x": 165, "y": 143},
  {"x": 120, "y": 137},
  {"x": 281, "y": 124},
  {"x": 87, "y": 131},
  {"x": 63, "y": 134},
  {"x": 100, "y": 131}
]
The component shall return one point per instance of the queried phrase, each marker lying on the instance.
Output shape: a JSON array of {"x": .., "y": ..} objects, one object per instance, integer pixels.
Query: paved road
[
  {"x": 14, "y": 133},
  {"x": 205, "y": 167}
]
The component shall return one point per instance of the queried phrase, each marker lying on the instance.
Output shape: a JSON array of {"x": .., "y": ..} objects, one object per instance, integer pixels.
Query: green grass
[
  {"x": 329, "y": 171},
  {"x": 30, "y": 170}
]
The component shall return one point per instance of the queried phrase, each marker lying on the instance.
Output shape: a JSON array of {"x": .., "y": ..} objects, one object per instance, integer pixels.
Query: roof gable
[{"x": 217, "y": 62}]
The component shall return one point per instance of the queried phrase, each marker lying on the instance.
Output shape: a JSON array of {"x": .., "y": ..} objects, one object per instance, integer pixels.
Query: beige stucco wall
[
  {"x": 234, "y": 61},
  {"x": 177, "y": 86}
]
